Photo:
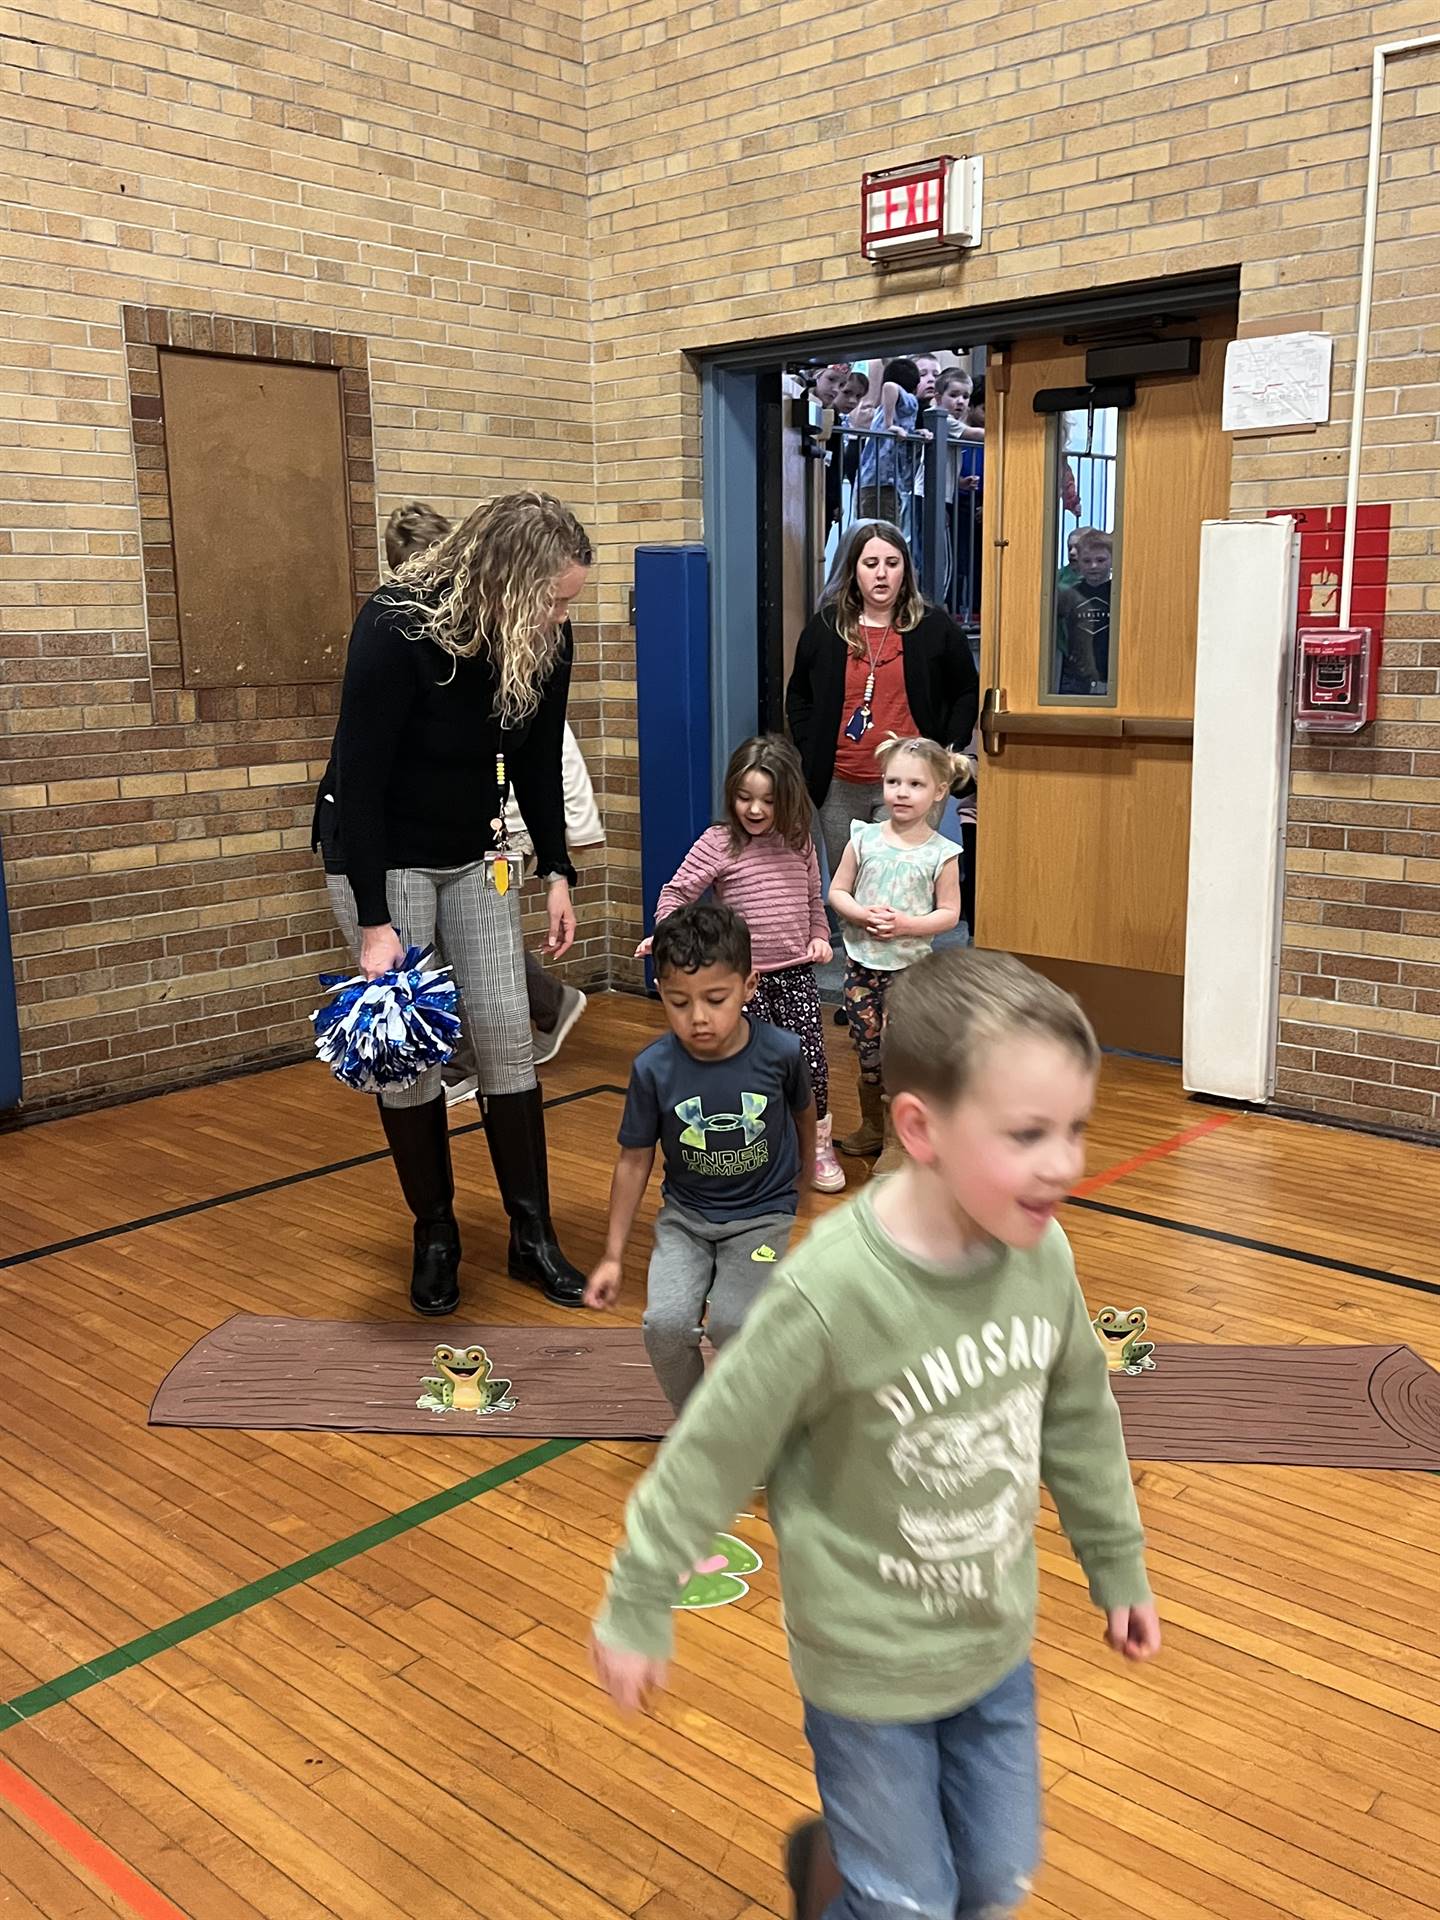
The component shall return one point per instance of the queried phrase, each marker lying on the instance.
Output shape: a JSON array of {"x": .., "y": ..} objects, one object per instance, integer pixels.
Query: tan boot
[
  {"x": 892, "y": 1154},
  {"x": 869, "y": 1136}
]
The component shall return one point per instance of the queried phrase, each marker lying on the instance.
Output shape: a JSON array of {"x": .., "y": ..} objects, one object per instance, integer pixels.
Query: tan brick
[
  {"x": 148, "y": 786},
  {"x": 1370, "y": 866},
  {"x": 177, "y": 851},
  {"x": 123, "y": 859},
  {"x": 217, "y": 780},
  {"x": 243, "y": 843},
  {"x": 70, "y": 793},
  {"x": 289, "y": 774}
]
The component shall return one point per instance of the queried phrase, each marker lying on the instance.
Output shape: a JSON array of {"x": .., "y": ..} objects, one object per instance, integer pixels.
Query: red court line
[
  {"x": 1157, "y": 1152},
  {"x": 84, "y": 1849}
]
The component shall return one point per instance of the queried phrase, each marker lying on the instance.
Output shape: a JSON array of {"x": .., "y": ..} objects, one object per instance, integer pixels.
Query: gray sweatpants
[{"x": 703, "y": 1269}]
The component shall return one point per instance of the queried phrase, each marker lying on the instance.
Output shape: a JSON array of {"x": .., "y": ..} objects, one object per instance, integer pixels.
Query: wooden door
[{"x": 1085, "y": 807}]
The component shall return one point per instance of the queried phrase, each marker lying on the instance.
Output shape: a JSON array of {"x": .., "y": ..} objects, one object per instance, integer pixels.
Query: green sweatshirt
[{"x": 902, "y": 1416}]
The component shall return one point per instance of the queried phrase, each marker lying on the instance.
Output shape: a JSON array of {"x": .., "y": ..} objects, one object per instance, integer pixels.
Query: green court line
[{"x": 25, "y": 1706}]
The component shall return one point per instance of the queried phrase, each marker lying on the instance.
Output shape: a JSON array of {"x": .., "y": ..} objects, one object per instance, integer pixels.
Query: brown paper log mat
[
  {"x": 1284, "y": 1407},
  {"x": 358, "y": 1376},
  {"x": 1281, "y": 1406}
]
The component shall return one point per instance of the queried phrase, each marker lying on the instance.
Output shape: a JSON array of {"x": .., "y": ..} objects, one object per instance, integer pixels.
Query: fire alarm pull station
[{"x": 1338, "y": 673}]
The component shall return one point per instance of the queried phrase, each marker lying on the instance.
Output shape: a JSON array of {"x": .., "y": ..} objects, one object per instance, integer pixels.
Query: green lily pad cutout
[{"x": 715, "y": 1578}]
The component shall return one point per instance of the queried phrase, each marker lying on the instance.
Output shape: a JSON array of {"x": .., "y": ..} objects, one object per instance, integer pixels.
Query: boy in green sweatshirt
[{"x": 911, "y": 1376}]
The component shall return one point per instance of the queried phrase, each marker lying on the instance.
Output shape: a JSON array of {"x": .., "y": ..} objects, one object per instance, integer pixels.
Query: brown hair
[
  {"x": 411, "y": 529},
  {"x": 772, "y": 755},
  {"x": 842, "y": 590},
  {"x": 943, "y": 1012},
  {"x": 487, "y": 587},
  {"x": 949, "y": 770}
]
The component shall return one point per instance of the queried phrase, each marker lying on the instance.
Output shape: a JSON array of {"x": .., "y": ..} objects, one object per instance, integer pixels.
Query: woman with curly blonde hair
[{"x": 455, "y": 687}]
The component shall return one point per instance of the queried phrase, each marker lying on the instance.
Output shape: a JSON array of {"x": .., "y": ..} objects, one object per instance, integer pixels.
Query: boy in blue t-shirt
[{"x": 728, "y": 1102}]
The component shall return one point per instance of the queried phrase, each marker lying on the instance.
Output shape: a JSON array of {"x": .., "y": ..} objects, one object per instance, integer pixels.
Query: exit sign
[{"x": 922, "y": 211}]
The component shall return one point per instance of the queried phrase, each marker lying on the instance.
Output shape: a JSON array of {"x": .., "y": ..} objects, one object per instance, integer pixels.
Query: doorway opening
[{"x": 1059, "y": 528}]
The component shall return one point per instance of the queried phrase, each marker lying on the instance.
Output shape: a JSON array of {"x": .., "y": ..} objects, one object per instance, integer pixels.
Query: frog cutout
[
  {"x": 461, "y": 1383},
  {"x": 715, "y": 1579},
  {"x": 1121, "y": 1335}
]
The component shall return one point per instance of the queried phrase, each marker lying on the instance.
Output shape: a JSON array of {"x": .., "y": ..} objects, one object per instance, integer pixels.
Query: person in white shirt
[{"x": 554, "y": 1005}]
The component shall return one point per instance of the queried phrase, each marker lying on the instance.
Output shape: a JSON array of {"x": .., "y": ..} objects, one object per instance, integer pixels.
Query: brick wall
[
  {"x": 726, "y": 143},
  {"x": 1360, "y": 986},
  {"x": 415, "y": 180},
  {"x": 528, "y": 237}
]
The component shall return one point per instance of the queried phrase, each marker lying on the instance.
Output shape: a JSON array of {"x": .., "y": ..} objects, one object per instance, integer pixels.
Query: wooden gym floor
[{"x": 293, "y": 1675}]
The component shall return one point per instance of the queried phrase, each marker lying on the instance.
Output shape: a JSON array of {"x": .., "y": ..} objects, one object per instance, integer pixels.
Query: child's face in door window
[
  {"x": 830, "y": 383},
  {"x": 1094, "y": 559},
  {"x": 953, "y": 395}
]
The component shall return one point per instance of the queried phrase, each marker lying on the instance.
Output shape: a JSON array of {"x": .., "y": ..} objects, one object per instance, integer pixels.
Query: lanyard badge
[
  {"x": 861, "y": 720},
  {"x": 499, "y": 860}
]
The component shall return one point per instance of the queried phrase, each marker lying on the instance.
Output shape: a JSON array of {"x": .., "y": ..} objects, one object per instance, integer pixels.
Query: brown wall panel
[{"x": 258, "y": 506}]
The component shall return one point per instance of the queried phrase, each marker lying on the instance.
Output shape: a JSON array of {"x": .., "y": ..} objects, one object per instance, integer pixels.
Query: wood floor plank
[
  {"x": 40, "y": 1884},
  {"x": 417, "y": 1731}
]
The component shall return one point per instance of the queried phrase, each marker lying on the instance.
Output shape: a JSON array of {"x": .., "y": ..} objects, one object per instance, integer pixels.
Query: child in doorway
[
  {"x": 1082, "y": 617},
  {"x": 761, "y": 860},
  {"x": 887, "y": 465},
  {"x": 727, "y": 1100},
  {"x": 1070, "y": 572},
  {"x": 896, "y": 887},
  {"x": 554, "y": 1006},
  {"x": 903, "y": 1388},
  {"x": 952, "y": 396}
]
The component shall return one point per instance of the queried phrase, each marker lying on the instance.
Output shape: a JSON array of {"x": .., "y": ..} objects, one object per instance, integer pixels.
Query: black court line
[
  {"x": 1322, "y": 1260},
  {"x": 263, "y": 1186}
]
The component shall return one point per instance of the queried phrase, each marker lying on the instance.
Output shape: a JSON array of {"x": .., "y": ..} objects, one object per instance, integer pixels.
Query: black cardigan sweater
[
  {"x": 941, "y": 686},
  {"x": 411, "y": 779}
]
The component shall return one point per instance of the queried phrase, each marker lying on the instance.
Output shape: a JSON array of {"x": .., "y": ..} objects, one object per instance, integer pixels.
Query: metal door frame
[{"x": 732, "y": 493}]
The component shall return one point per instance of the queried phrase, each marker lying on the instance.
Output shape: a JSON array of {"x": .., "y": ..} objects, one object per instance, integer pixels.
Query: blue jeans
[{"x": 939, "y": 1820}]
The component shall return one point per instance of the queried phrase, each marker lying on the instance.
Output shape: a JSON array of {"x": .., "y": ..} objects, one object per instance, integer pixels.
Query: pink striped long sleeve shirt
[{"x": 774, "y": 889}]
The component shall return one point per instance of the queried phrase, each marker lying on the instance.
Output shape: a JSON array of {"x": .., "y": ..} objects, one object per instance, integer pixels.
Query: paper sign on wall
[{"x": 1276, "y": 380}]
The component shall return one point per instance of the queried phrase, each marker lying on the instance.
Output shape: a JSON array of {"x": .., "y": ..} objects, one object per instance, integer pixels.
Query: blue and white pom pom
[{"x": 387, "y": 1032}]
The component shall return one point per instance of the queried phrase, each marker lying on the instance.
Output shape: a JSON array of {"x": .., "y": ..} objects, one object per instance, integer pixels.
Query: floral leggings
[
  {"x": 866, "y": 989},
  {"x": 791, "y": 999}
]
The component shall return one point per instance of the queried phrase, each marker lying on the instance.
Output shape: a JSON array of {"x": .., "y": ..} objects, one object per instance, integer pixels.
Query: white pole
[{"x": 1367, "y": 289}]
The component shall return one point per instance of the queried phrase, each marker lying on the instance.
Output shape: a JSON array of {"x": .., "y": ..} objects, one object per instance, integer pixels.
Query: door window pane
[{"x": 1080, "y": 601}]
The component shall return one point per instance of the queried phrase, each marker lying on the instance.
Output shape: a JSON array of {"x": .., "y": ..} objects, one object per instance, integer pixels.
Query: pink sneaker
[{"x": 829, "y": 1175}]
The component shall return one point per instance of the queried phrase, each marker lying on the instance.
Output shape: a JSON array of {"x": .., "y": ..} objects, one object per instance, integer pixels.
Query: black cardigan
[
  {"x": 941, "y": 686},
  {"x": 411, "y": 779}
]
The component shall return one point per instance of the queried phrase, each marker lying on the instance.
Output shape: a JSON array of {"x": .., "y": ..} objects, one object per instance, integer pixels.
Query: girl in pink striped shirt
[{"x": 761, "y": 861}]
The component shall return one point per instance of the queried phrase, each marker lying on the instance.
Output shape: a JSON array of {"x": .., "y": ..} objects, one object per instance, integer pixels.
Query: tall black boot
[
  {"x": 515, "y": 1129},
  {"x": 420, "y": 1147}
]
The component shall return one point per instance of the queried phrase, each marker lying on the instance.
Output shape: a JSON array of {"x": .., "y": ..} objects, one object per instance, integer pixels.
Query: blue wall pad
[{"x": 672, "y": 674}]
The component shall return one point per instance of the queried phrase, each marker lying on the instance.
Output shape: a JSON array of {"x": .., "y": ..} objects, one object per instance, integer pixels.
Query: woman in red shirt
[{"x": 874, "y": 660}]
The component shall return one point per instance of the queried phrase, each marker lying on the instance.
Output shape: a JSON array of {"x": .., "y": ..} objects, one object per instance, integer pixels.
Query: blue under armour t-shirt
[{"x": 724, "y": 1127}]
